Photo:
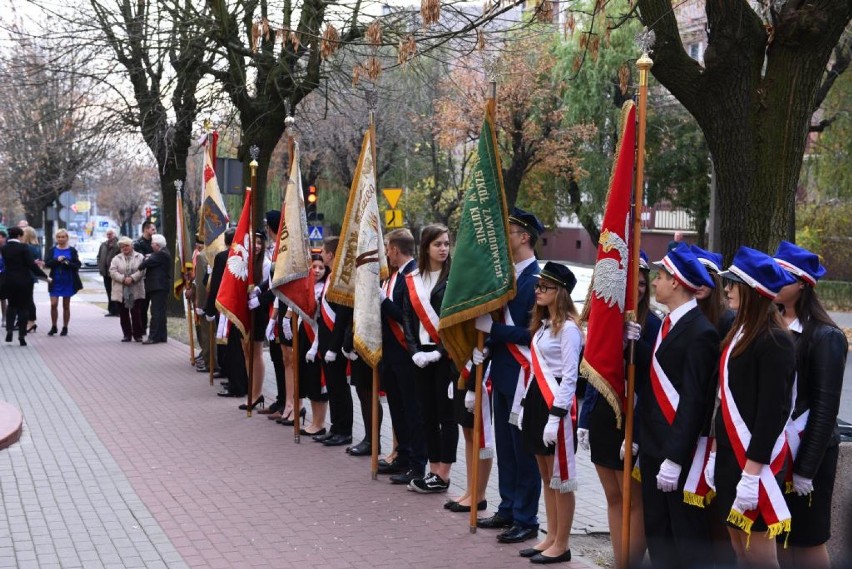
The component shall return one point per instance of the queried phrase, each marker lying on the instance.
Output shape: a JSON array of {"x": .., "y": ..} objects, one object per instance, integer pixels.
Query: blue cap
[
  {"x": 759, "y": 271},
  {"x": 685, "y": 267},
  {"x": 800, "y": 262},
  {"x": 711, "y": 260},
  {"x": 643, "y": 261},
  {"x": 559, "y": 274},
  {"x": 526, "y": 220}
]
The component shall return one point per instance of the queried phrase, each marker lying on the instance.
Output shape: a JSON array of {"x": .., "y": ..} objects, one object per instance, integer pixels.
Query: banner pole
[
  {"x": 644, "y": 64},
  {"x": 212, "y": 343},
  {"x": 374, "y": 419},
  {"x": 253, "y": 165},
  {"x": 297, "y": 417},
  {"x": 190, "y": 322},
  {"x": 473, "y": 483}
]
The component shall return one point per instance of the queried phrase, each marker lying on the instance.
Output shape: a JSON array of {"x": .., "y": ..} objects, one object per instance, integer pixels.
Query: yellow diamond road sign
[
  {"x": 393, "y": 218},
  {"x": 392, "y": 195}
]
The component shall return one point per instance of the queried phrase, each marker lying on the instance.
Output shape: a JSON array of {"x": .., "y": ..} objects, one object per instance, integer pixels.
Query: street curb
[{"x": 11, "y": 425}]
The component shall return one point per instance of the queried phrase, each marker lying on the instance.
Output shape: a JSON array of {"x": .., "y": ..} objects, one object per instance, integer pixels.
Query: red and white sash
[
  {"x": 524, "y": 359},
  {"x": 486, "y": 437},
  {"x": 793, "y": 430},
  {"x": 327, "y": 312},
  {"x": 395, "y": 327},
  {"x": 422, "y": 307},
  {"x": 696, "y": 490},
  {"x": 564, "y": 477},
  {"x": 771, "y": 505}
]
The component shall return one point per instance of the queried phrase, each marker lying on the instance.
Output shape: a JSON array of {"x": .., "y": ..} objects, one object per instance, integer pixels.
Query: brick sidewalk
[{"x": 202, "y": 482}]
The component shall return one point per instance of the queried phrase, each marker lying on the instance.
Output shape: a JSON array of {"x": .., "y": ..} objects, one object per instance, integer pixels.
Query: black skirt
[
  {"x": 604, "y": 437},
  {"x": 536, "y": 415},
  {"x": 811, "y": 515}
]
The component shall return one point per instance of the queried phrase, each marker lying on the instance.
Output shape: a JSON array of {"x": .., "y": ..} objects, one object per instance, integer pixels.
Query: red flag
[
  {"x": 232, "y": 300},
  {"x": 603, "y": 361}
]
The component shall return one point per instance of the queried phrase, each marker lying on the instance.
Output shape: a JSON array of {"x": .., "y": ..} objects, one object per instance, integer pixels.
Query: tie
[{"x": 667, "y": 324}]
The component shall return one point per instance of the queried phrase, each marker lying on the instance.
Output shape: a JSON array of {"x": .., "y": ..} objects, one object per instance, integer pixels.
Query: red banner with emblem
[{"x": 232, "y": 300}]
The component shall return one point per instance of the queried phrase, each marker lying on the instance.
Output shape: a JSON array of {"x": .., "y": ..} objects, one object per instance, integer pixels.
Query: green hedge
[{"x": 836, "y": 295}]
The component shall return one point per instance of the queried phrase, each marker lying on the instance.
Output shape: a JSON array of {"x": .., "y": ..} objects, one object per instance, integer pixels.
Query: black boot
[{"x": 52, "y": 331}]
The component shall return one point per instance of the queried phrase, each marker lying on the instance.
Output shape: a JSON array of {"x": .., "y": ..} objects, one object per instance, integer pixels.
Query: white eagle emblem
[
  {"x": 238, "y": 263},
  {"x": 609, "y": 282}
]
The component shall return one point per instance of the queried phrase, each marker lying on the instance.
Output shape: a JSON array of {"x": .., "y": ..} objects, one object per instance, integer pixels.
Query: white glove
[
  {"x": 668, "y": 476},
  {"x": 270, "y": 330},
  {"x": 253, "y": 303},
  {"x": 330, "y": 356},
  {"x": 710, "y": 470},
  {"x": 632, "y": 331},
  {"x": 802, "y": 486},
  {"x": 633, "y": 447},
  {"x": 551, "y": 431},
  {"x": 432, "y": 357},
  {"x": 419, "y": 359},
  {"x": 484, "y": 323},
  {"x": 287, "y": 328},
  {"x": 747, "y": 492},
  {"x": 383, "y": 296},
  {"x": 311, "y": 355},
  {"x": 469, "y": 400},
  {"x": 353, "y": 355},
  {"x": 210, "y": 318},
  {"x": 583, "y": 438},
  {"x": 199, "y": 311},
  {"x": 478, "y": 357},
  {"x": 253, "y": 293}
]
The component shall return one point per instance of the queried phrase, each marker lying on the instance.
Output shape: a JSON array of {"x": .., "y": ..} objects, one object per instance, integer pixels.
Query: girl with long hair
[
  {"x": 434, "y": 372},
  {"x": 756, "y": 375},
  {"x": 546, "y": 425},
  {"x": 712, "y": 301},
  {"x": 821, "y": 350}
]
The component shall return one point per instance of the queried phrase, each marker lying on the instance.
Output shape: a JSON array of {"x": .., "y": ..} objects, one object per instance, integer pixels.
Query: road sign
[
  {"x": 315, "y": 234},
  {"x": 393, "y": 218},
  {"x": 74, "y": 207},
  {"x": 392, "y": 195},
  {"x": 66, "y": 199},
  {"x": 83, "y": 206}
]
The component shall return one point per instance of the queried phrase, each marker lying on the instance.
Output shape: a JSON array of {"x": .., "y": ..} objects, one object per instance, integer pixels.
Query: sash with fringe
[
  {"x": 523, "y": 357},
  {"x": 793, "y": 431},
  {"x": 771, "y": 505},
  {"x": 422, "y": 307},
  {"x": 696, "y": 490},
  {"x": 328, "y": 314}
]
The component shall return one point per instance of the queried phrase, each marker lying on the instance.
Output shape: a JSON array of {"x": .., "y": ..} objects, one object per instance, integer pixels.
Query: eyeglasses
[{"x": 544, "y": 288}]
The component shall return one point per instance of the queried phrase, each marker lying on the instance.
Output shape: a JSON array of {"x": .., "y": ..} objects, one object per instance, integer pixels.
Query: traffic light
[
  {"x": 148, "y": 212},
  {"x": 311, "y": 207}
]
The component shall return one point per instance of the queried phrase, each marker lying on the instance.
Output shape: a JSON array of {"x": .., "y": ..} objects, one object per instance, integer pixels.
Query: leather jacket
[{"x": 820, "y": 379}]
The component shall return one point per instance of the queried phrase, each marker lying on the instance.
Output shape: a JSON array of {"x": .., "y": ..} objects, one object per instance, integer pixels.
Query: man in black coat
[
  {"x": 158, "y": 284},
  {"x": 674, "y": 405},
  {"x": 143, "y": 245},
  {"x": 18, "y": 283}
]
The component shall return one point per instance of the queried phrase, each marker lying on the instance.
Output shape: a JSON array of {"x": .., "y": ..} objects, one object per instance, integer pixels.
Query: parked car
[{"x": 88, "y": 252}]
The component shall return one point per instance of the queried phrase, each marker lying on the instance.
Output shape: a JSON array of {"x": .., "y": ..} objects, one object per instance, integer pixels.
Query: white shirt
[
  {"x": 521, "y": 265},
  {"x": 680, "y": 311},
  {"x": 561, "y": 353}
]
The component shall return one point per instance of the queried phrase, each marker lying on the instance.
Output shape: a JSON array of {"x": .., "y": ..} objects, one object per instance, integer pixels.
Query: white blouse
[{"x": 561, "y": 353}]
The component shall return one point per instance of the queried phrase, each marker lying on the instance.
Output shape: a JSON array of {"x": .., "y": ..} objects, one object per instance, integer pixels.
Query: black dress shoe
[
  {"x": 393, "y": 467},
  {"x": 460, "y": 508},
  {"x": 450, "y": 504},
  {"x": 494, "y": 522},
  {"x": 364, "y": 448},
  {"x": 529, "y": 552},
  {"x": 406, "y": 477},
  {"x": 338, "y": 441},
  {"x": 305, "y": 433},
  {"x": 517, "y": 533},
  {"x": 229, "y": 394},
  {"x": 543, "y": 559},
  {"x": 323, "y": 437}
]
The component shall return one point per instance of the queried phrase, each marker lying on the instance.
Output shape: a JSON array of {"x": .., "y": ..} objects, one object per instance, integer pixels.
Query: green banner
[{"x": 482, "y": 275}]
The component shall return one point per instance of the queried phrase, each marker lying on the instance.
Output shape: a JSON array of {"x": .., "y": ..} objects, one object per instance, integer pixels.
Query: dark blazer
[
  {"x": 20, "y": 267},
  {"x": 504, "y": 368},
  {"x": 143, "y": 246},
  {"x": 392, "y": 311},
  {"x": 72, "y": 264},
  {"x": 411, "y": 322},
  {"x": 220, "y": 261},
  {"x": 821, "y": 362},
  {"x": 689, "y": 355},
  {"x": 158, "y": 270},
  {"x": 761, "y": 381},
  {"x": 333, "y": 339}
]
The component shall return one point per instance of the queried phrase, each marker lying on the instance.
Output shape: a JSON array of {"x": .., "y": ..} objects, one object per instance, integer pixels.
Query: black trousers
[
  {"x": 113, "y": 307},
  {"x": 362, "y": 379},
  {"x": 158, "y": 331},
  {"x": 440, "y": 428},
  {"x": 398, "y": 384},
  {"x": 234, "y": 363},
  {"x": 276, "y": 354},
  {"x": 339, "y": 395},
  {"x": 678, "y": 534},
  {"x": 17, "y": 313},
  {"x": 145, "y": 304}
]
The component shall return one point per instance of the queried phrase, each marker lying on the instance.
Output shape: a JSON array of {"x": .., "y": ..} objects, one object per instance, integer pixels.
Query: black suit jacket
[
  {"x": 761, "y": 380},
  {"x": 392, "y": 311},
  {"x": 332, "y": 340},
  {"x": 219, "y": 263},
  {"x": 158, "y": 270},
  {"x": 20, "y": 267},
  {"x": 689, "y": 355}
]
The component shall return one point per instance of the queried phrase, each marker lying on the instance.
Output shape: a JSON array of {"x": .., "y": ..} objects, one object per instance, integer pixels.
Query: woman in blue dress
[{"x": 64, "y": 265}]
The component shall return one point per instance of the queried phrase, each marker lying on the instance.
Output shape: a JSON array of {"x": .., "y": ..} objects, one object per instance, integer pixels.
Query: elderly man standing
[{"x": 106, "y": 253}]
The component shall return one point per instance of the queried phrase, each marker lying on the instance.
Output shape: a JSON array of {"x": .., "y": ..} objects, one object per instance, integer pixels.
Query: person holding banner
[
  {"x": 434, "y": 373},
  {"x": 397, "y": 367},
  {"x": 333, "y": 321},
  {"x": 599, "y": 434},
  {"x": 259, "y": 303},
  {"x": 549, "y": 405},
  {"x": 757, "y": 371},
  {"x": 821, "y": 350},
  {"x": 519, "y": 481},
  {"x": 311, "y": 377}
]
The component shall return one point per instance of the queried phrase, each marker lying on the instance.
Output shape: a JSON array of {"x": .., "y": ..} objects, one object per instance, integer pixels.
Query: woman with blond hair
[
  {"x": 30, "y": 239},
  {"x": 64, "y": 264}
]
